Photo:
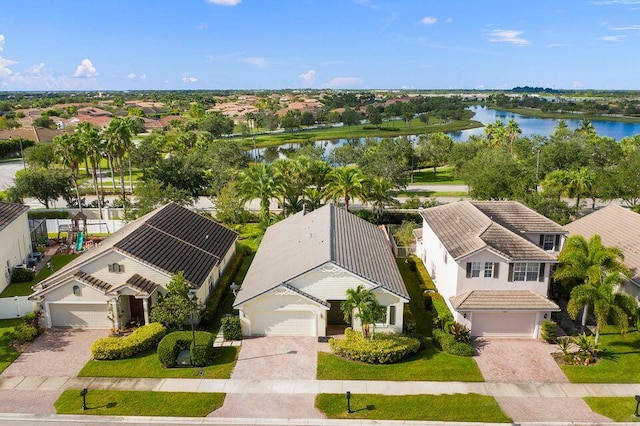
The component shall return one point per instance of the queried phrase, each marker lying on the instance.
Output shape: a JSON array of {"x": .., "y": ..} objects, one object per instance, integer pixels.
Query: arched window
[{"x": 76, "y": 290}]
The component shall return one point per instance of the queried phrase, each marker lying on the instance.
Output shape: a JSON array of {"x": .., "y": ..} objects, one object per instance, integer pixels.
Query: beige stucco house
[
  {"x": 492, "y": 262},
  {"x": 127, "y": 271},
  {"x": 15, "y": 240},
  {"x": 303, "y": 268},
  {"x": 617, "y": 227}
]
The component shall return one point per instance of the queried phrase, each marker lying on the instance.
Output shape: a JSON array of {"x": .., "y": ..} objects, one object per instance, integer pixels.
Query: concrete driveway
[
  {"x": 273, "y": 358},
  {"x": 517, "y": 361}
]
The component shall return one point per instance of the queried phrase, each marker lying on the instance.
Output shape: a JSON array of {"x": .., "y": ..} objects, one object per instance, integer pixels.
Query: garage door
[
  {"x": 79, "y": 315},
  {"x": 516, "y": 324},
  {"x": 283, "y": 323}
]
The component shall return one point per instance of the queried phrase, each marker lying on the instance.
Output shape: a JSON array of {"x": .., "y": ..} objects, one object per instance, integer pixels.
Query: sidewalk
[{"x": 236, "y": 386}]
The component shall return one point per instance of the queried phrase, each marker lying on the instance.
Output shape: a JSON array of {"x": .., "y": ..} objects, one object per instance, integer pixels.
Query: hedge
[
  {"x": 24, "y": 332},
  {"x": 446, "y": 342},
  {"x": 548, "y": 331},
  {"x": 12, "y": 146},
  {"x": 171, "y": 345},
  {"x": 22, "y": 275},
  {"x": 382, "y": 349},
  {"x": 220, "y": 289},
  {"x": 142, "y": 339},
  {"x": 231, "y": 328},
  {"x": 48, "y": 214}
]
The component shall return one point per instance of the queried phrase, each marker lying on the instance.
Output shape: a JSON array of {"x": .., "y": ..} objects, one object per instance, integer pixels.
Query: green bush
[
  {"x": 409, "y": 322},
  {"x": 25, "y": 332},
  {"x": 171, "y": 345},
  {"x": 427, "y": 302},
  {"x": 424, "y": 342},
  {"x": 48, "y": 214},
  {"x": 22, "y": 275},
  {"x": 221, "y": 288},
  {"x": 142, "y": 339},
  {"x": 548, "y": 331},
  {"x": 231, "y": 328},
  {"x": 383, "y": 349},
  {"x": 447, "y": 343},
  {"x": 460, "y": 349}
]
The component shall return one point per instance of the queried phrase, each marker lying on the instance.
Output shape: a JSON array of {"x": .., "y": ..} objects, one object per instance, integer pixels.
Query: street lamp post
[
  {"x": 83, "y": 394},
  {"x": 349, "y": 402}
]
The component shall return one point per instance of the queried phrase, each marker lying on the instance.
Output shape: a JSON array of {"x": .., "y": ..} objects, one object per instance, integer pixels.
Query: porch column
[
  {"x": 145, "y": 307},
  {"x": 116, "y": 312}
]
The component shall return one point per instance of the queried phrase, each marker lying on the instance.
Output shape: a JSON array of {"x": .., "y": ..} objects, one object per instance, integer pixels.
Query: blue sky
[{"x": 353, "y": 44}]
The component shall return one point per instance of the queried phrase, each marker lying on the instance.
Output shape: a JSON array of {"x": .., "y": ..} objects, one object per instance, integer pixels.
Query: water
[{"x": 529, "y": 125}]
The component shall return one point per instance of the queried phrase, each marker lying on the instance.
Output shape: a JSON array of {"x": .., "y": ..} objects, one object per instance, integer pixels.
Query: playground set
[{"x": 75, "y": 233}]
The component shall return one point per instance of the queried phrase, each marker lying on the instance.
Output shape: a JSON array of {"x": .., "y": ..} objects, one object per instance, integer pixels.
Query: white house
[
  {"x": 303, "y": 268},
  {"x": 125, "y": 273},
  {"x": 492, "y": 262},
  {"x": 618, "y": 227},
  {"x": 15, "y": 239}
]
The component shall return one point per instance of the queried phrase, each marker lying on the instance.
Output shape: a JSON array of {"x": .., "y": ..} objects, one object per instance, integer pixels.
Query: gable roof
[
  {"x": 171, "y": 238},
  {"x": 617, "y": 227},
  {"x": 10, "y": 212},
  {"x": 303, "y": 242},
  {"x": 466, "y": 227}
]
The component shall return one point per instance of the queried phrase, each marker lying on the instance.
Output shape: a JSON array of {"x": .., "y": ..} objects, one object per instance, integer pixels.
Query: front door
[
  {"x": 137, "y": 310},
  {"x": 335, "y": 316}
]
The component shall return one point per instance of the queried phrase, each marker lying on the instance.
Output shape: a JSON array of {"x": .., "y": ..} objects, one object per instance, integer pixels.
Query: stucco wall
[
  {"x": 444, "y": 274},
  {"x": 15, "y": 246}
]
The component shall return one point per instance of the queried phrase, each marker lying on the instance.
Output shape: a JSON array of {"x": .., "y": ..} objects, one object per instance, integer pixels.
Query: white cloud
[
  {"x": 344, "y": 82},
  {"x": 1, "y": 42},
  {"x": 624, "y": 2},
  {"x": 507, "y": 36},
  {"x": 556, "y": 45},
  {"x": 225, "y": 2},
  {"x": 4, "y": 64},
  {"x": 258, "y": 62},
  {"x": 614, "y": 39},
  {"x": 86, "y": 70},
  {"x": 143, "y": 76},
  {"x": 37, "y": 70},
  {"x": 448, "y": 20},
  {"x": 308, "y": 78},
  {"x": 186, "y": 78},
  {"x": 577, "y": 84},
  {"x": 429, "y": 20},
  {"x": 628, "y": 28},
  {"x": 131, "y": 76}
]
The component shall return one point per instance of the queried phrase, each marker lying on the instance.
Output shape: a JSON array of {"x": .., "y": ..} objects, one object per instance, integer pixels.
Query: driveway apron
[{"x": 264, "y": 358}]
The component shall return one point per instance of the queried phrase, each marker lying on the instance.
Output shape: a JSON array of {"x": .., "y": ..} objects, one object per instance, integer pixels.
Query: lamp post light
[
  {"x": 636, "y": 414},
  {"x": 349, "y": 403},
  {"x": 83, "y": 394}
]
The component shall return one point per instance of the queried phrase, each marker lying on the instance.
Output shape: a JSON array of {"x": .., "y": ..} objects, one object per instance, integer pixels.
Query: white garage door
[
  {"x": 79, "y": 315},
  {"x": 283, "y": 323},
  {"x": 516, "y": 324}
]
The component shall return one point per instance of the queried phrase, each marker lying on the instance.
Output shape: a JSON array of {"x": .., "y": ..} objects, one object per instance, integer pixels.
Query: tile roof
[
  {"x": 303, "y": 242},
  {"x": 617, "y": 227},
  {"x": 502, "y": 300},
  {"x": 10, "y": 212},
  {"x": 36, "y": 134},
  {"x": 466, "y": 227}
]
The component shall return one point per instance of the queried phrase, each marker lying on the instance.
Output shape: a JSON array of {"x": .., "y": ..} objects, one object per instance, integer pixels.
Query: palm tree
[
  {"x": 71, "y": 151},
  {"x": 512, "y": 130},
  {"x": 261, "y": 181},
  {"x": 608, "y": 305},
  {"x": 556, "y": 182},
  {"x": 363, "y": 305},
  {"x": 579, "y": 184},
  {"x": 119, "y": 143},
  {"x": 345, "y": 182},
  {"x": 378, "y": 192},
  {"x": 586, "y": 128},
  {"x": 494, "y": 133},
  {"x": 588, "y": 262},
  {"x": 92, "y": 141}
]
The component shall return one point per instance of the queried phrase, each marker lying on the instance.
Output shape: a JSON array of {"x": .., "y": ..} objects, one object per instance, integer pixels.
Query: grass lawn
[
  {"x": 619, "y": 365},
  {"x": 139, "y": 403},
  {"x": 7, "y": 353},
  {"x": 24, "y": 289},
  {"x": 451, "y": 408},
  {"x": 148, "y": 365},
  {"x": 428, "y": 365},
  {"x": 444, "y": 176},
  {"x": 434, "y": 194},
  {"x": 415, "y": 287},
  {"x": 620, "y": 409}
]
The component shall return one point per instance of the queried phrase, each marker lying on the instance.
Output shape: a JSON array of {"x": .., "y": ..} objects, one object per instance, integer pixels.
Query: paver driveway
[
  {"x": 517, "y": 361},
  {"x": 263, "y": 358},
  {"x": 55, "y": 353}
]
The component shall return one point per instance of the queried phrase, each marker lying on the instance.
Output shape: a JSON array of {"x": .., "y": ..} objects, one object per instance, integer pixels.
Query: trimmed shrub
[
  {"x": 142, "y": 339},
  {"x": 447, "y": 343},
  {"x": 409, "y": 322},
  {"x": 25, "y": 332},
  {"x": 548, "y": 331},
  {"x": 22, "y": 275},
  {"x": 171, "y": 345},
  {"x": 221, "y": 288},
  {"x": 460, "y": 332},
  {"x": 231, "y": 328},
  {"x": 424, "y": 342},
  {"x": 383, "y": 349},
  {"x": 427, "y": 302}
]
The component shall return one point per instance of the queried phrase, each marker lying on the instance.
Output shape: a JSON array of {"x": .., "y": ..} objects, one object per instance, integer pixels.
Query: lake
[{"x": 529, "y": 126}]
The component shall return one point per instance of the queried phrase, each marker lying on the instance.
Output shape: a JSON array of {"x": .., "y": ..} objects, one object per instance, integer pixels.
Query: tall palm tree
[
  {"x": 71, "y": 151},
  {"x": 608, "y": 305},
  {"x": 363, "y": 305},
  {"x": 512, "y": 130},
  {"x": 346, "y": 183},
  {"x": 495, "y": 133},
  {"x": 587, "y": 262},
  {"x": 556, "y": 182},
  {"x": 378, "y": 191},
  {"x": 119, "y": 142},
  {"x": 261, "y": 181},
  {"x": 92, "y": 141},
  {"x": 586, "y": 127},
  {"x": 579, "y": 184}
]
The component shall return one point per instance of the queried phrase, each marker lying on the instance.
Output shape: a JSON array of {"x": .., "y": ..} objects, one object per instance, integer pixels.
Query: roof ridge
[{"x": 332, "y": 233}]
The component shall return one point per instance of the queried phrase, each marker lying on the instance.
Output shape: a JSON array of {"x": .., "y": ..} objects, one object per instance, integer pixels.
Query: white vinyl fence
[{"x": 16, "y": 307}]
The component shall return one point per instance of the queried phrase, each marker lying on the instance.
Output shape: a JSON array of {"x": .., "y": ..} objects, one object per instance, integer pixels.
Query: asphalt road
[{"x": 7, "y": 173}]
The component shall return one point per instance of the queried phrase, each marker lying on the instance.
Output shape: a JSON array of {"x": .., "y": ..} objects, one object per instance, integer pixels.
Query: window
[
  {"x": 116, "y": 267},
  {"x": 76, "y": 290},
  {"x": 392, "y": 315},
  {"x": 548, "y": 242},
  {"x": 488, "y": 269},
  {"x": 526, "y": 271},
  {"x": 473, "y": 269}
]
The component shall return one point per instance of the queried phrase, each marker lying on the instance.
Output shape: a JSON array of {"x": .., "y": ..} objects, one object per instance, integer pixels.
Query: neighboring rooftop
[
  {"x": 466, "y": 227},
  {"x": 36, "y": 134},
  {"x": 502, "y": 300},
  {"x": 10, "y": 212},
  {"x": 617, "y": 227},
  {"x": 303, "y": 242}
]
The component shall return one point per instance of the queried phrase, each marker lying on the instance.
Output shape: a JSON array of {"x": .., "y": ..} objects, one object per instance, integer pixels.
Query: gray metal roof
[
  {"x": 10, "y": 212},
  {"x": 303, "y": 242},
  {"x": 502, "y": 300},
  {"x": 464, "y": 228}
]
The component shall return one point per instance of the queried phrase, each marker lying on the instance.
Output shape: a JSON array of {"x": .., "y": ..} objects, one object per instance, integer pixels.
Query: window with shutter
[
  {"x": 496, "y": 270},
  {"x": 392, "y": 314}
]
